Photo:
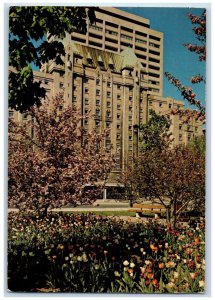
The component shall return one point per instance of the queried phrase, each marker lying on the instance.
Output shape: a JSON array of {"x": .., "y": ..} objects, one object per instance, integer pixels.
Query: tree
[
  {"x": 155, "y": 133},
  {"x": 52, "y": 159},
  {"x": 198, "y": 143},
  {"x": 28, "y": 26},
  {"x": 175, "y": 177},
  {"x": 187, "y": 92}
]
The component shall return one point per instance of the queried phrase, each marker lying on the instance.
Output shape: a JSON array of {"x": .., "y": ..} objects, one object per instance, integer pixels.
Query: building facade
[{"x": 114, "y": 73}]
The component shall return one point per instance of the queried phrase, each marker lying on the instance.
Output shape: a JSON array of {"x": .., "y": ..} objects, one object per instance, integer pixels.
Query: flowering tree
[
  {"x": 200, "y": 50},
  {"x": 175, "y": 177},
  {"x": 52, "y": 159}
]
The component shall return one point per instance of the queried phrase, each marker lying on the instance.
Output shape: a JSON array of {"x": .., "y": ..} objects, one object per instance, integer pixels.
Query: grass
[{"x": 106, "y": 213}]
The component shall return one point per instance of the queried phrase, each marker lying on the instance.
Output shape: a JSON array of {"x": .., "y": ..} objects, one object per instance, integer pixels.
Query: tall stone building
[{"x": 115, "y": 74}]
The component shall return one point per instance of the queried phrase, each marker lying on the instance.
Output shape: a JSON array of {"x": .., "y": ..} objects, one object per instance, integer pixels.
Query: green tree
[
  {"x": 28, "y": 26},
  {"x": 198, "y": 143},
  {"x": 155, "y": 133}
]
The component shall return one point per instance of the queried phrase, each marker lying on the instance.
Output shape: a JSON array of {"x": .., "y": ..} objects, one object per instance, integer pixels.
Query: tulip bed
[{"x": 88, "y": 253}]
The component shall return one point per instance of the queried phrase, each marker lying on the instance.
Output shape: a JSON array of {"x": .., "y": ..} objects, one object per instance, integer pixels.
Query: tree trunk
[{"x": 173, "y": 214}]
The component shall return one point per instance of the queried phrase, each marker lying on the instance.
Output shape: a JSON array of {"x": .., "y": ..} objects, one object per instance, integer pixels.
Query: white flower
[
  {"x": 125, "y": 263},
  {"x": 175, "y": 275},
  {"x": 147, "y": 262},
  {"x": 132, "y": 265},
  {"x": 66, "y": 258},
  {"x": 201, "y": 283},
  {"x": 79, "y": 258}
]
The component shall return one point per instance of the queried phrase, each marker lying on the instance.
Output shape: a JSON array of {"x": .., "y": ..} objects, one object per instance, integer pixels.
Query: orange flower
[
  {"x": 196, "y": 241},
  {"x": 150, "y": 275},
  {"x": 155, "y": 283},
  {"x": 155, "y": 249},
  {"x": 161, "y": 265}
]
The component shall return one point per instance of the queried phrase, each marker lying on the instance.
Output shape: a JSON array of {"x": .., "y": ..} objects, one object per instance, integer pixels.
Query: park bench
[{"x": 141, "y": 209}]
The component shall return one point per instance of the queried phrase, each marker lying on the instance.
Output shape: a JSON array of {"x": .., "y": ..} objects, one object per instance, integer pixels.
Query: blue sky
[{"x": 177, "y": 29}]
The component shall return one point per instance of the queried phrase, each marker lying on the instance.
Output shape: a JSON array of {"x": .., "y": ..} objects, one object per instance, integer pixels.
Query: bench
[{"x": 141, "y": 209}]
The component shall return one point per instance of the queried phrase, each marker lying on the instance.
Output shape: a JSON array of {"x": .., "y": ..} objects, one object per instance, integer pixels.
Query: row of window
[{"x": 113, "y": 32}]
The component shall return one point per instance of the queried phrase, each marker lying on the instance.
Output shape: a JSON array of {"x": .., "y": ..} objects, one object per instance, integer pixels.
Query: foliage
[
  {"x": 94, "y": 254},
  {"x": 200, "y": 50},
  {"x": 155, "y": 133},
  {"x": 28, "y": 26},
  {"x": 176, "y": 177},
  {"x": 198, "y": 143},
  {"x": 52, "y": 159}
]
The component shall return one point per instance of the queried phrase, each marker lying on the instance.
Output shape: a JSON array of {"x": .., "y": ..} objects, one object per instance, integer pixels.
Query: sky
[{"x": 178, "y": 61}]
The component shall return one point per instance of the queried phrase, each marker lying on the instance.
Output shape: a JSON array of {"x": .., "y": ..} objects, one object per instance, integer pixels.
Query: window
[
  {"x": 180, "y": 127},
  {"x": 130, "y": 117},
  {"x": 108, "y": 94},
  {"x": 118, "y": 106},
  {"x": 170, "y": 105},
  {"x": 130, "y": 107},
  {"x": 108, "y": 84},
  {"x": 118, "y": 96},
  {"x": 118, "y": 126},
  {"x": 108, "y": 124},
  {"x": 97, "y": 102},
  {"x": 140, "y": 41},
  {"x": 61, "y": 107},
  {"x": 86, "y": 90},
  {"x": 118, "y": 116},
  {"x": 118, "y": 86},
  {"x": 130, "y": 97},
  {"x": 189, "y": 138},
  {"x": 97, "y": 111},
  {"x": 188, "y": 127},
  {"x": 97, "y": 80},
  {"x": 11, "y": 113},
  {"x": 196, "y": 128},
  {"x": 74, "y": 99},
  {"x": 127, "y": 37},
  {"x": 46, "y": 81},
  {"x": 130, "y": 137},
  {"x": 75, "y": 88},
  {"x": 85, "y": 122},
  {"x": 61, "y": 85},
  {"x": 96, "y": 27},
  {"x": 111, "y": 32},
  {"x": 160, "y": 104},
  {"x": 180, "y": 137},
  {"x": 97, "y": 123},
  {"x": 130, "y": 127},
  {"x": 150, "y": 102},
  {"x": 118, "y": 136},
  {"x": 24, "y": 117},
  {"x": 108, "y": 104},
  {"x": 86, "y": 101}
]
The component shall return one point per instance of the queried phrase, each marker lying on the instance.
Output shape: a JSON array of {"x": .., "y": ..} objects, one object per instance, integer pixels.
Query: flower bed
[{"x": 87, "y": 253}]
